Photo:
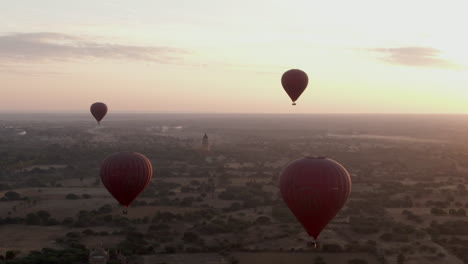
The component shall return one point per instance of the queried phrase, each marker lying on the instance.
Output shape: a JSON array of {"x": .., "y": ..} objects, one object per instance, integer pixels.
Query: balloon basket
[
  {"x": 293, "y": 103},
  {"x": 314, "y": 244}
]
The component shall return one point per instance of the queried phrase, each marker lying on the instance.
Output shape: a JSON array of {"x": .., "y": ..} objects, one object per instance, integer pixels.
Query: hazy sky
[{"x": 228, "y": 56}]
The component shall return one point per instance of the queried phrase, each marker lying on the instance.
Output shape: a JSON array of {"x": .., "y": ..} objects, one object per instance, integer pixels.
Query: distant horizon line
[{"x": 230, "y": 113}]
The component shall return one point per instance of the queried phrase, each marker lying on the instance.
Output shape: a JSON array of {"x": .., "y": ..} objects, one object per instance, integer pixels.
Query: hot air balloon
[
  {"x": 315, "y": 189},
  {"x": 294, "y": 83},
  {"x": 125, "y": 175},
  {"x": 99, "y": 111}
]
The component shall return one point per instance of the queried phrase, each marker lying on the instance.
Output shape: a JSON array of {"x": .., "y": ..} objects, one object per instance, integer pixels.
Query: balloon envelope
[
  {"x": 99, "y": 111},
  {"x": 125, "y": 175},
  {"x": 315, "y": 189},
  {"x": 294, "y": 83}
]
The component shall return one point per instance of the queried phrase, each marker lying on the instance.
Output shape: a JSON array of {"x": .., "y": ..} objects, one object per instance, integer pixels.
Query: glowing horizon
[{"x": 203, "y": 57}]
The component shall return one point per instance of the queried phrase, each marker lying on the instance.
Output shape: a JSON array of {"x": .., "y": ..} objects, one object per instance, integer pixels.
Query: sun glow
[{"x": 221, "y": 56}]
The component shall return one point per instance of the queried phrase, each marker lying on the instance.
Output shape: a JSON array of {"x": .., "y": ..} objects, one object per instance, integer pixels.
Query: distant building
[
  {"x": 98, "y": 256},
  {"x": 205, "y": 143}
]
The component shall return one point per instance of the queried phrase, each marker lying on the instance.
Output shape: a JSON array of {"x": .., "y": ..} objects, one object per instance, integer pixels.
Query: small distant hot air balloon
[
  {"x": 315, "y": 189},
  {"x": 125, "y": 175},
  {"x": 294, "y": 83},
  {"x": 99, "y": 111}
]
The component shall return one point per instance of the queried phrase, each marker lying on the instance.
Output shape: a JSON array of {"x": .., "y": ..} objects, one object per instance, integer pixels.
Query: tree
[
  {"x": 67, "y": 221},
  {"x": 43, "y": 214},
  {"x": 72, "y": 196},
  {"x": 386, "y": 237},
  {"x": 195, "y": 183},
  {"x": 51, "y": 222},
  {"x": 319, "y": 260},
  {"x": 401, "y": 258},
  {"x": 12, "y": 196},
  {"x": 33, "y": 219},
  {"x": 332, "y": 248},
  {"x": 72, "y": 234},
  {"x": 170, "y": 250},
  {"x": 11, "y": 254},
  {"x": 190, "y": 237},
  {"x": 438, "y": 211},
  {"x": 76, "y": 254},
  {"x": 357, "y": 261},
  {"x": 263, "y": 220},
  {"x": 88, "y": 232}
]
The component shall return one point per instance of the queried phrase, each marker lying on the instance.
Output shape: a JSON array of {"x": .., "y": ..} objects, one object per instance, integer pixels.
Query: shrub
[{"x": 72, "y": 196}]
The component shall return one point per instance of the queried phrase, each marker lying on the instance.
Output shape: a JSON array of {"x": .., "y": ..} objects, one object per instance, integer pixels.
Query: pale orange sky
[{"x": 228, "y": 56}]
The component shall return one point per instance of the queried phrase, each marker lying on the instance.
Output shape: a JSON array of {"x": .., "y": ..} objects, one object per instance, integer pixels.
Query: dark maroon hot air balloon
[
  {"x": 125, "y": 175},
  {"x": 315, "y": 189},
  {"x": 294, "y": 83},
  {"x": 99, "y": 111}
]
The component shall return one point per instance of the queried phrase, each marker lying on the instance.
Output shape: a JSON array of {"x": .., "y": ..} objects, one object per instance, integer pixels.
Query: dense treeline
[{"x": 77, "y": 254}]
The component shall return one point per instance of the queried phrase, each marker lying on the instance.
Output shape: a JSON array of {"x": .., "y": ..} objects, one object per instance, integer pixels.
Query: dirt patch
[
  {"x": 27, "y": 238},
  {"x": 300, "y": 258}
]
